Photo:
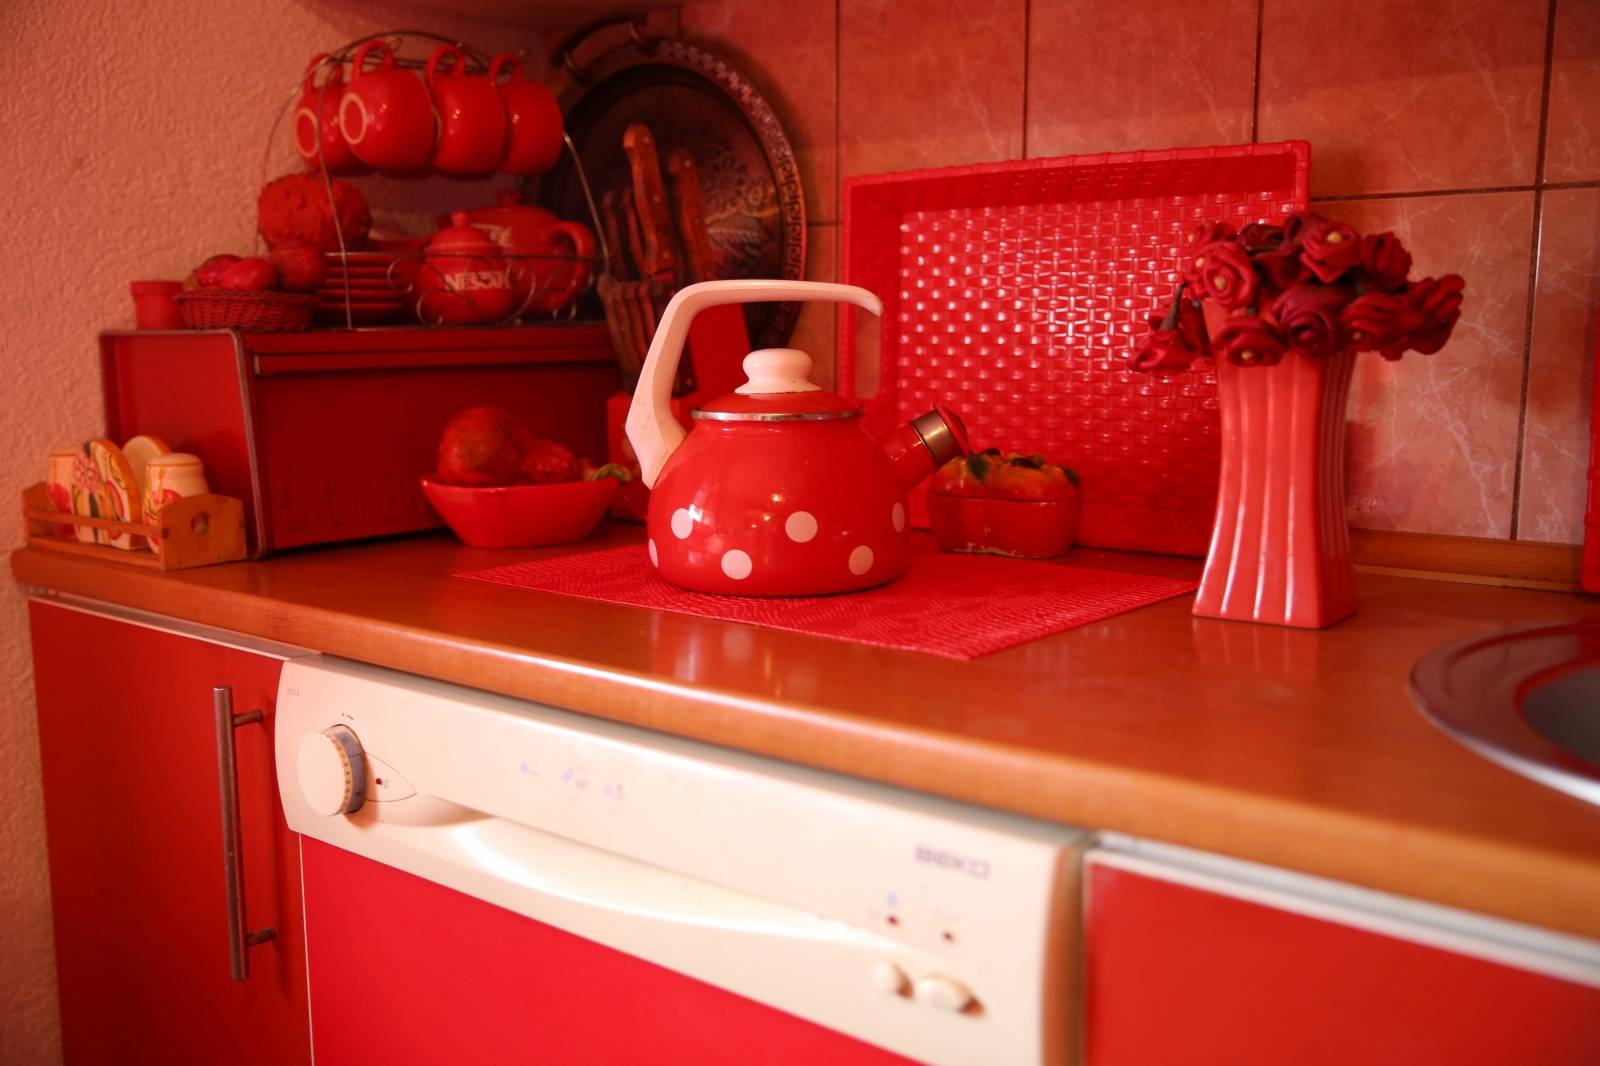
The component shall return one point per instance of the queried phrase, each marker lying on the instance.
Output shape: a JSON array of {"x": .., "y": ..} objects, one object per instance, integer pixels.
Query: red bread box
[{"x": 323, "y": 435}]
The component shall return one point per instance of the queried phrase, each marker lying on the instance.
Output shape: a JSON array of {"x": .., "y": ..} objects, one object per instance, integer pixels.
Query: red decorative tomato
[
  {"x": 546, "y": 462},
  {"x": 1012, "y": 476},
  {"x": 252, "y": 275},
  {"x": 208, "y": 275},
  {"x": 301, "y": 268}
]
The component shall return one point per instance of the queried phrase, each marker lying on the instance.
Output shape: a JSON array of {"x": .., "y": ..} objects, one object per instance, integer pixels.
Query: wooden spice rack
[{"x": 193, "y": 531}]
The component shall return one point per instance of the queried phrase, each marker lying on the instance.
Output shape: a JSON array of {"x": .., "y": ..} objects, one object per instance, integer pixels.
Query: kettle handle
[{"x": 652, "y": 430}]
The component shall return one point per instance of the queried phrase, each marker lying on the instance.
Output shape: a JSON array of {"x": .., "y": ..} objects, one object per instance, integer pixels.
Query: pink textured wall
[
  {"x": 1461, "y": 124},
  {"x": 132, "y": 148}
]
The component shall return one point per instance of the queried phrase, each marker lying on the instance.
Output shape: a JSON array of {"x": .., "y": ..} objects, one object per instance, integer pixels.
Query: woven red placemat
[{"x": 958, "y": 606}]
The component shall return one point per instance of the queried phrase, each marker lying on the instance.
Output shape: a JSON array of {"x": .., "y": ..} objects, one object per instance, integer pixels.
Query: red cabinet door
[
  {"x": 126, "y": 732},
  {"x": 1179, "y": 973},
  {"x": 407, "y": 971}
]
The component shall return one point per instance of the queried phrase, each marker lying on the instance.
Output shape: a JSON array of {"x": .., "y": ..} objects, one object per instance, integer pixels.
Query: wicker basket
[{"x": 262, "y": 312}]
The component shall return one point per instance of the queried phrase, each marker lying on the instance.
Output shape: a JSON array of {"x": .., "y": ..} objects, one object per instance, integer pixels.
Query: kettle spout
[{"x": 924, "y": 444}]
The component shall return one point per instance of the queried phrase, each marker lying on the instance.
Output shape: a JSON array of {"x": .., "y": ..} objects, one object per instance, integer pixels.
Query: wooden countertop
[{"x": 1298, "y": 749}]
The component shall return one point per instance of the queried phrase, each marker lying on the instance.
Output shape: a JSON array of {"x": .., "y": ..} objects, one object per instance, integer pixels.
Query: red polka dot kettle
[{"x": 778, "y": 490}]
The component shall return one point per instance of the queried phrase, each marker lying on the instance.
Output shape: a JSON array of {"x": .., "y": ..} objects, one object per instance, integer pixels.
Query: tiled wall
[{"x": 1470, "y": 127}]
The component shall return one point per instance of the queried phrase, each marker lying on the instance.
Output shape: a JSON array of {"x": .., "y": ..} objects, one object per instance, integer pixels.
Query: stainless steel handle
[{"x": 239, "y": 941}]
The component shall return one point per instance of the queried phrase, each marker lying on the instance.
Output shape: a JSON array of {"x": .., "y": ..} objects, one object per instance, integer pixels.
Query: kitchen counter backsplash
[{"x": 1458, "y": 148}]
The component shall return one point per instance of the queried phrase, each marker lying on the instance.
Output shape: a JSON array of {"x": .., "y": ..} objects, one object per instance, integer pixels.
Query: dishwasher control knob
[
  {"x": 332, "y": 771},
  {"x": 942, "y": 992},
  {"x": 888, "y": 979}
]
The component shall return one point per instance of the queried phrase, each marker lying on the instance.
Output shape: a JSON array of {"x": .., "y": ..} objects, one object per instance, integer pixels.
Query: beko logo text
[{"x": 956, "y": 863}]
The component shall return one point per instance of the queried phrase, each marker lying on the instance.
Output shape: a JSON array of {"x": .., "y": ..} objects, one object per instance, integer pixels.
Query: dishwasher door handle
[{"x": 239, "y": 941}]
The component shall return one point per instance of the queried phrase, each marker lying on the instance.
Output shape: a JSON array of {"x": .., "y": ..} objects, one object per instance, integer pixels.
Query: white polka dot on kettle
[
  {"x": 736, "y": 564},
  {"x": 655, "y": 559},
  {"x": 861, "y": 560},
  {"x": 800, "y": 526},
  {"x": 682, "y": 523},
  {"x": 898, "y": 517}
]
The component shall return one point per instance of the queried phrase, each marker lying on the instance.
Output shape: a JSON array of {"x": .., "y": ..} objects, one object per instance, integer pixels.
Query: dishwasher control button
[
  {"x": 332, "y": 771},
  {"x": 889, "y": 979},
  {"x": 942, "y": 992},
  {"x": 384, "y": 783}
]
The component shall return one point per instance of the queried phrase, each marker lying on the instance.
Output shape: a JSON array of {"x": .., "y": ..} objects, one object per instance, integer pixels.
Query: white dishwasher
[{"x": 688, "y": 903}]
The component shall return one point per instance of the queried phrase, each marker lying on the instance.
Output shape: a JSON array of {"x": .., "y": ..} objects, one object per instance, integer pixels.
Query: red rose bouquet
[{"x": 1312, "y": 286}]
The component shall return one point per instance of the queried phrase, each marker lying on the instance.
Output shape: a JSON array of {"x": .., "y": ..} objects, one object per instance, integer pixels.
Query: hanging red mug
[
  {"x": 317, "y": 136},
  {"x": 386, "y": 115},
  {"x": 534, "y": 131},
  {"x": 472, "y": 120}
]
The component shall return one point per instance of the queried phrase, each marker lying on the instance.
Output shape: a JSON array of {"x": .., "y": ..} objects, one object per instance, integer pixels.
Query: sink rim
[{"x": 1473, "y": 689}]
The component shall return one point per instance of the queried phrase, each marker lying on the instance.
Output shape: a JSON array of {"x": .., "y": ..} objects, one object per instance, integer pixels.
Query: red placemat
[{"x": 958, "y": 606}]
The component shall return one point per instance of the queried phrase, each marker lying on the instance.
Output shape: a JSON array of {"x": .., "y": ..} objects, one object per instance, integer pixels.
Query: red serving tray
[
  {"x": 1014, "y": 291},
  {"x": 324, "y": 434}
]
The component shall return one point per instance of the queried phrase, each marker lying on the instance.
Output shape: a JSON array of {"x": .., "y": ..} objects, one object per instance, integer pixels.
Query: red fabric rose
[
  {"x": 1190, "y": 324},
  {"x": 1329, "y": 249},
  {"x": 1386, "y": 261},
  {"x": 1206, "y": 232},
  {"x": 1261, "y": 235},
  {"x": 1308, "y": 317},
  {"x": 1379, "y": 322},
  {"x": 1283, "y": 268},
  {"x": 1250, "y": 341},
  {"x": 1437, "y": 301},
  {"x": 1296, "y": 224},
  {"x": 1163, "y": 352},
  {"x": 1222, "y": 271}
]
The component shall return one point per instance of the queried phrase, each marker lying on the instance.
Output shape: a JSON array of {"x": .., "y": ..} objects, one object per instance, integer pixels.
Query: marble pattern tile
[
  {"x": 1396, "y": 95},
  {"x": 1572, "y": 144},
  {"x": 1566, "y": 301},
  {"x": 1183, "y": 74},
  {"x": 929, "y": 83},
  {"x": 789, "y": 52},
  {"x": 816, "y": 331},
  {"x": 1432, "y": 439}
]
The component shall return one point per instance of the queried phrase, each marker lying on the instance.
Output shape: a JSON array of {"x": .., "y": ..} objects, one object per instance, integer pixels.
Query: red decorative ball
[{"x": 296, "y": 208}]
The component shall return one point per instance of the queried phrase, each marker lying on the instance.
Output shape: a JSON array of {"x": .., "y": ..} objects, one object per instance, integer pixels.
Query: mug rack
[{"x": 403, "y": 269}]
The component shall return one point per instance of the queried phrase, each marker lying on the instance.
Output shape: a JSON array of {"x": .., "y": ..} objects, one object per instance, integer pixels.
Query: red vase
[{"x": 1280, "y": 549}]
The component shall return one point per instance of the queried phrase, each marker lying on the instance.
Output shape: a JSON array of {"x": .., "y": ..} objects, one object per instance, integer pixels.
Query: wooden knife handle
[
  {"x": 616, "y": 229},
  {"x": 702, "y": 261},
  {"x": 658, "y": 257}
]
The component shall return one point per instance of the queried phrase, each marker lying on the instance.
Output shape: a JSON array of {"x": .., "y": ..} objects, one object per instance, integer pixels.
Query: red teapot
[
  {"x": 551, "y": 260},
  {"x": 464, "y": 278},
  {"x": 777, "y": 491}
]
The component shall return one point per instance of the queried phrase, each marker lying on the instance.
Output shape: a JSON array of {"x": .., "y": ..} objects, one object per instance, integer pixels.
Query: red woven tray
[
  {"x": 958, "y": 606},
  {"x": 1014, "y": 291}
]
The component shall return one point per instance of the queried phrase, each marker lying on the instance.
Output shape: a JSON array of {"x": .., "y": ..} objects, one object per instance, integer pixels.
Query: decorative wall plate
[{"x": 754, "y": 205}]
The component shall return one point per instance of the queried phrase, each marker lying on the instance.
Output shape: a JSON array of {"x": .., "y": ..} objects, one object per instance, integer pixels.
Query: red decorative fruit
[
  {"x": 1012, "y": 476},
  {"x": 253, "y": 274},
  {"x": 301, "y": 268},
  {"x": 482, "y": 446},
  {"x": 545, "y": 462},
  {"x": 297, "y": 208},
  {"x": 208, "y": 275}
]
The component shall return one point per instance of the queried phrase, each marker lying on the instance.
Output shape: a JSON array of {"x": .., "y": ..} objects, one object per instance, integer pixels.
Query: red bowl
[
  {"x": 1032, "y": 529},
  {"x": 521, "y": 516}
]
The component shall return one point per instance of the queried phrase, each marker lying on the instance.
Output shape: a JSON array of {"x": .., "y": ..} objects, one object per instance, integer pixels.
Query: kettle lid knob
[{"x": 775, "y": 370}]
